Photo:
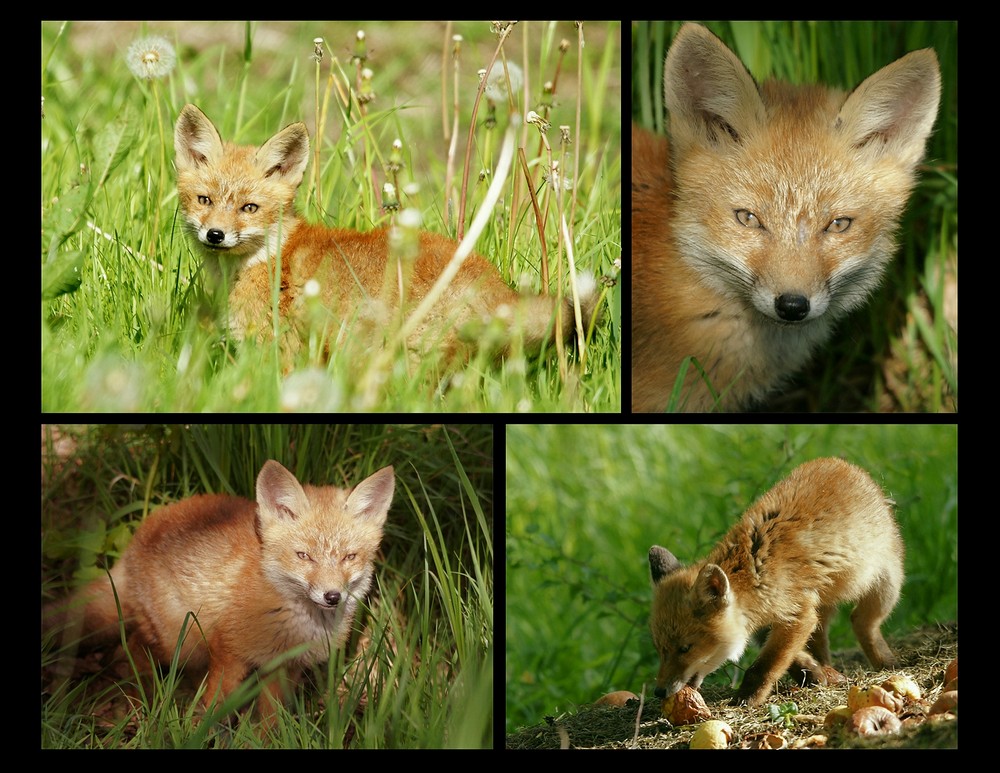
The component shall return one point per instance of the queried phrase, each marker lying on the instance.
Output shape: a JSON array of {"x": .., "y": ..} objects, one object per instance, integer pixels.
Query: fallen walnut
[
  {"x": 714, "y": 734},
  {"x": 858, "y": 698},
  {"x": 764, "y": 741},
  {"x": 874, "y": 720},
  {"x": 903, "y": 686},
  {"x": 618, "y": 698},
  {"x": 686, "y": 707},
  {"x": 947, "y": 701}
]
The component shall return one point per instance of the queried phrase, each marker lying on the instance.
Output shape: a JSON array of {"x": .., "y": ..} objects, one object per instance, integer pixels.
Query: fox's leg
[
  {"x": 224, "y": 676},
  {"x": 786, "y": 642},
  {"x": 276, "y": 687},
  {"x": 814, "y": 665},
  {"x": 819, "y": 642},
  {"x": 867, "y": 617},
  {"x": 807, "y": 667}
]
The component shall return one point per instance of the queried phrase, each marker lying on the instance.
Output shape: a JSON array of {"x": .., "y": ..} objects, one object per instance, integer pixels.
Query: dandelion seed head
[
  {"x": 496, "y": 85},
  {"x": 410, "y": 218},
  {"x": 151, "y": 58}
]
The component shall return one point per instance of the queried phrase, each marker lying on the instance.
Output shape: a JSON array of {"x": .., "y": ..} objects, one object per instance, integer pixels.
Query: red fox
[
  {"x": 262, "y": 578},
  {"x": 824, "y": 535},
  {"x": 237, "y": 202},
  {"x": 767, "y": 217}
]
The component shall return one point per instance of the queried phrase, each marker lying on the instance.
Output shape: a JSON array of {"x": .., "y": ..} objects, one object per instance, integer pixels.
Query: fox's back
[
  {"x": 827, "y": 529},
  {"x": 196, "y": 554}
]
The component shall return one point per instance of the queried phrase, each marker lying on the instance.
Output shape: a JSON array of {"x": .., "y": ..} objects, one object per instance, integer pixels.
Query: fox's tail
[
  {"x": 538, "y": 322},
  {"x": 87, "y": 618}
]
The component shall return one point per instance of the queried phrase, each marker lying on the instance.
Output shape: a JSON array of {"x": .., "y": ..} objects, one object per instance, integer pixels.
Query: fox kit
[
  {"x": 237, "y": 201},
  {"x": 262, "y": 578},
  {"x": 767, "y": 217},
  {"x": 824, "y": 535}
]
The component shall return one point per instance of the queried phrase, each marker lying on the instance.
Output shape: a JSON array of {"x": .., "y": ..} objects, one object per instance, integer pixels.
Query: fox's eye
[
  {"x": 303, "y": 556},
  {"x": 747, "y": 218},
  {"x": 204, "y": 200},
  {"x": 250, "y": 208},
  {"x": 350, "y": 556},
  {"x": 839, "y": 224},
  {"x": 684, "y": 650}
]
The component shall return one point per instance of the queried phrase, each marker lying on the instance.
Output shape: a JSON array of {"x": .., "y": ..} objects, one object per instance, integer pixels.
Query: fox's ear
[
  {"x": 708, "y": 91},
  {"x": 279, "y": 494},
  {"x": 711, "y": 589},
  {"x": 892, "y": 112},
  {"x": 285, "y": 154},
  {"x": 196, "y": 140},
  {"x": 371, "y": 498},
  {"x": 661, "y": 563}
]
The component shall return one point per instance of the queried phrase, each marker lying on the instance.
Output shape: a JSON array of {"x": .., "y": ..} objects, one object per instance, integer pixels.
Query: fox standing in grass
[
  {"x": 237, "y": 202},
  {"x": 768, "y": 216},
  {"x": 261, "y": 578},
  {"x": 823, "y": 536}
]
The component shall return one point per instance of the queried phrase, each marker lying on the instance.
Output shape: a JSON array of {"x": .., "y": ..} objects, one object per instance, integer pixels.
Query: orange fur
[
  {"x": 823, "y": 536},
  {"x": 261, "y": 578},
  {"x": 238, "y": 202},
  {"x": 767, "y": 216}
]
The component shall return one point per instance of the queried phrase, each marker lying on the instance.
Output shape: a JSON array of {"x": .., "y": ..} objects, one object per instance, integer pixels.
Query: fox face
[
  {"x": 319, "y": 543},
  {"x": 694, "y": 622},
  {"x": 788, "y": 234},
  {"x": 766, "y": 215},
  {"x": 788, "y": 196},
  {"x": 234, "y": 198}
]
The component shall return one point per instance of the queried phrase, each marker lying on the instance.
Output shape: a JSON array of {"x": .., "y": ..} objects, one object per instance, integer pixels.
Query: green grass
[
  {"x": 900, "y": 352},
  {"x": 585, "y": 503},
  {"x": 129, "y": 320},
  {"x": 435, "y": 583}
]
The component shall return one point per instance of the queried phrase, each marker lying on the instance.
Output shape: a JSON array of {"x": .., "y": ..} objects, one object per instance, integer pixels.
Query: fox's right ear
[
  {"x": 661, "y": 563},
  {"x": 710, "y": 95},
  {"x": 196, "y": 140},
  {"x": 279, "y": 493}
]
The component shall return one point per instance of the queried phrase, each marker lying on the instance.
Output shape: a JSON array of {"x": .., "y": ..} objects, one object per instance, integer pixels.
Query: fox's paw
[{"x": 806, "y": 671}]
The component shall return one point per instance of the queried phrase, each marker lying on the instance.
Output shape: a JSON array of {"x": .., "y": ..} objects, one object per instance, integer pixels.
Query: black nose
[
  {"x": 332, "y": 598},
  {"x": 791, "y": 307},
  {"x": 660, "y": 692},
  {"x": 215, "y": 236}
]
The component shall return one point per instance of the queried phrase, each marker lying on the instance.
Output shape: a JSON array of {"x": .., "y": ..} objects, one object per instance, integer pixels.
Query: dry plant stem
[
  {"x": 539, "y": 221},
  {"x": 638, "y": 716},
  {"x": 452, "y": 138},
  {"x": 515, "y": 187},
  {"x": 576, "y": 133},
  {"x": 163, "y": 172},
  {"x": 318, "y": 58},
  {"x": 472, "y": 131},
  {"x": 444, "y": 78},
  {"x": 560, "y": 346}
]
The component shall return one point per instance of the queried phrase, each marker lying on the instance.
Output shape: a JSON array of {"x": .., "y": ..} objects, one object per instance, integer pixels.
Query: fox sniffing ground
[
  {"x": 767, "y": 215},
  {"x": 261, "y": 578},
  {"x": 823, "y": 536},
  {"x": 238, "y": 204}
]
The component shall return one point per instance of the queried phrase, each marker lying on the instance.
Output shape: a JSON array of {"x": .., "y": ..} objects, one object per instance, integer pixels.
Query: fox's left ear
[
  {"x": 286, "y": 154},
  {"x": 892, "y": 112},
  {"x": 371, "y": 498}
]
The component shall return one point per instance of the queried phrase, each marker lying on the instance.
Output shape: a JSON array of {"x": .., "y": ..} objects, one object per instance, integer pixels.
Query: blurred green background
[{"x": 584, "y": 504}]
